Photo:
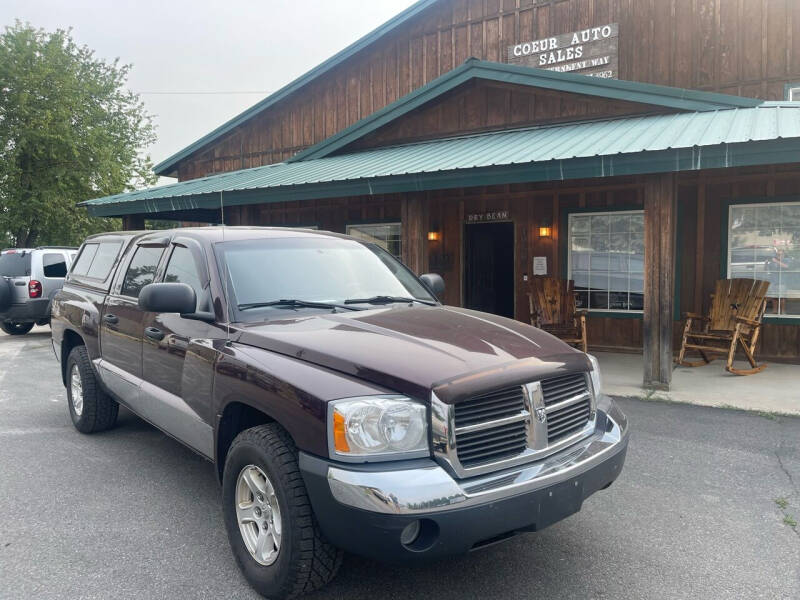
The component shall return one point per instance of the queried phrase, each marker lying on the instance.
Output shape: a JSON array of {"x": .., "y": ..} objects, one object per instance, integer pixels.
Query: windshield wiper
[
  {"x": 293, "y": 303},
  {"x": 387, "y": 300}
]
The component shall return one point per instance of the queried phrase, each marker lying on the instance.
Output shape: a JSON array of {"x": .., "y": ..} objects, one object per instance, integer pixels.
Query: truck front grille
[
  {"x": 492, "y": 444},
  {"x": 566, "y": 421},
  {"x": 567, "y": 398},
  {"x": 515, "y": 422},
  {"x": 558, "y": 389},
  {"x": 491, "y": 426},
  {"x": 491, "y": 406}
]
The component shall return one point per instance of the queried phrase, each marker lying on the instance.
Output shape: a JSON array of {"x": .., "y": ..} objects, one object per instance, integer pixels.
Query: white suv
[{"x": 29, "y": 278}]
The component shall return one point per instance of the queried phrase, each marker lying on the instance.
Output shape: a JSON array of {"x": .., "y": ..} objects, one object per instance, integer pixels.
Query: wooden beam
[
  {"x": 414, "y": 218},
  {"x": 660, "y": 212},
  {"x": 133, "y": 222}
]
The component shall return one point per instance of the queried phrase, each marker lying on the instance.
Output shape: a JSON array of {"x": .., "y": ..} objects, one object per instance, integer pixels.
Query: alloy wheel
[
  {"x": 76, "y": 390},
  {"x": 258, "y": 515}
]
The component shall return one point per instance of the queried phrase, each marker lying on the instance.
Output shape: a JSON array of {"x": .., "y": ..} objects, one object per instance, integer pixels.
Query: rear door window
[
  {"x": 104, "y": 260},
  {"x": 54, "y": 265},
  {"x": 15, "y": 264},
  {"x": 141, "y": 271},
  {"x": 81, "y": 267}
]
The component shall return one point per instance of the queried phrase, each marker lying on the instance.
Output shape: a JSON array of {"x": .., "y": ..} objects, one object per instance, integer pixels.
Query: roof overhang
[{"x": 213, "y": 194}]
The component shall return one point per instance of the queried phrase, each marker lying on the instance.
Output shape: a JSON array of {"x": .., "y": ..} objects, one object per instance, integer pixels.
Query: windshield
[
  {"x": 315, "y": 270},
  {"x": 15, "y": 264}
]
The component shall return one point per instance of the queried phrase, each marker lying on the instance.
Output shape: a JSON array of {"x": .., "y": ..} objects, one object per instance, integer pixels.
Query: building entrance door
[{"x": 489, "y": 268}]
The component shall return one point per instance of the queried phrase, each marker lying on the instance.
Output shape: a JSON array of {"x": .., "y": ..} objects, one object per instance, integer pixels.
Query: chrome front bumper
[{"x": 430, "y": 488}]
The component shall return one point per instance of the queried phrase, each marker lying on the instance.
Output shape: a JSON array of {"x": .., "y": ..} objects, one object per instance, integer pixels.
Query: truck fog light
[{"x": 410, "y": 533}]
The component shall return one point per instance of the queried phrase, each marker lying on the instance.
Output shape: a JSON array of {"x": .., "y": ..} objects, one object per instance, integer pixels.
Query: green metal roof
[
  {"x": 768, "y": 134},
  {"x": 168, "y": 165},
  {"x": 613, "y": 89}
]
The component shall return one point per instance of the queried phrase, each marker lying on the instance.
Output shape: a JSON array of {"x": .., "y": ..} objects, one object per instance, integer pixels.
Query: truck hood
[{"x": 453, "y": 352}]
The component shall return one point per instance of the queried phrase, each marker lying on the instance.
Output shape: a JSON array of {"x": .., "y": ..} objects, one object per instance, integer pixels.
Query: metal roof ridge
[
  {"x": 481, "y": 134},
  {"x": 473, "y": 68}
]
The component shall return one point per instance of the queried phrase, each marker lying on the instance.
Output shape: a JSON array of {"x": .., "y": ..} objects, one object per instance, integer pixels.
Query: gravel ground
[{"x": 698, "y": 512}]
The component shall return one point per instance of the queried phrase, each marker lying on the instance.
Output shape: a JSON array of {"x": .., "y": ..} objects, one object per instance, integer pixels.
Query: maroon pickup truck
[{"x": 344, "y": 407}]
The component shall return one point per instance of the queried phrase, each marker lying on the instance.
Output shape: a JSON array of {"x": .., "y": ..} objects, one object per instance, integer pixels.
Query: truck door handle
[
  {"x": 19, "y": 283},
  {"x": 154, "y": 334},
  {"x": 111, "y": 319}
]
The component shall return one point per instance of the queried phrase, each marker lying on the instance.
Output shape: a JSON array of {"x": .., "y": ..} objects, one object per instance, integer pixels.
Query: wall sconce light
[
  {"x": 434, "y": 236},
  {"x": 545, "y": 230}
]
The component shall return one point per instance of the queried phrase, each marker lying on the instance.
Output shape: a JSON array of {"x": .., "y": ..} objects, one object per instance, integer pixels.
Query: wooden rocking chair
[
  {"x": 737, "y": 308},
  {"x": 552, "y": 306}
]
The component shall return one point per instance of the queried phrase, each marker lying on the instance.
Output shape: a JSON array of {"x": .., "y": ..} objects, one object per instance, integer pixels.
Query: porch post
[
  {"x": 414, "y": 218},
  {"x": 660, "y": 212},
  {"x": 132, "y": 222}
]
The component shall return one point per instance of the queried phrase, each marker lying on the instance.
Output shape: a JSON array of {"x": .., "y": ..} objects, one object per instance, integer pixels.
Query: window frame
[
  {"x": 566, "y": 253},
  {"x": 201, "y": 276},
  {"x": 120, "y": 288},
  {"x": 106, "y": 283},
  {"x": 377, "y": 223},
  {"x": 63, "y": 255},
  {"x": 726, "y": 243},
  {"x": 787, "y": 91}
]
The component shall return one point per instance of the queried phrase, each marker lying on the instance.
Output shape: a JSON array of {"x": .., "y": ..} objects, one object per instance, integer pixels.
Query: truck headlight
[
  {"x": 377, "y": 428},
  {"x": 597, "y": 381}
]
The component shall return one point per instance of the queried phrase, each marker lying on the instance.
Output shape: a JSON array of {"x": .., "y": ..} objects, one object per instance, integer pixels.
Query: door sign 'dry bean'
[{"x": 592, "y": 51}]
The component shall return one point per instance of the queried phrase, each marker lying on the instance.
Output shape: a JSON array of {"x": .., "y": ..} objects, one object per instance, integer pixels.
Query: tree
[{"x": 69, "y": 131}]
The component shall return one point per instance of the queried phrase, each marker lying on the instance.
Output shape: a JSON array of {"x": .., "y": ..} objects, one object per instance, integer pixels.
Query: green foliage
[{"x": 69, "y": 131}]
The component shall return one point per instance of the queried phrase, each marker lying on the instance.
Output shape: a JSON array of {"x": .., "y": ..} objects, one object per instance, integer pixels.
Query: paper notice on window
[{"x": 540, "y": 265}]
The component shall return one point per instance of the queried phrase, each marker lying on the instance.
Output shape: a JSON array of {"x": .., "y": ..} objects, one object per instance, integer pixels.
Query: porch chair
[
  {"x": 737, "y": 308},
  {"x": 552, "y": 307}
]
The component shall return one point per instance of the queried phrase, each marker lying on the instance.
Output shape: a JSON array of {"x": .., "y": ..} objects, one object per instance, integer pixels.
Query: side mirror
[
  {"x": 434, "y": 282},
  {"x": 168, "y": 298}
]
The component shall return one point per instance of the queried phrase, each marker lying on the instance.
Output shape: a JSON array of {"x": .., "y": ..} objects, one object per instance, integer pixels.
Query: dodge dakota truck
[{"x": 343, "y": 406}]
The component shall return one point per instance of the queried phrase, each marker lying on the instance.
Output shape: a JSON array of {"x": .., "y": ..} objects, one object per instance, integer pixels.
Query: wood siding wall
[
  {"x": 479, "y": 106},
  {"x": 745, "y": 47}
]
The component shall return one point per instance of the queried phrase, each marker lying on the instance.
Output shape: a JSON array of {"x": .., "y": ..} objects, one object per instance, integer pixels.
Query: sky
[{"x": 194, "y": 61}]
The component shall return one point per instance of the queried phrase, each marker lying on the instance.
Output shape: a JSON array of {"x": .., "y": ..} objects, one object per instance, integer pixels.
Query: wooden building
[{"x": 643, "y": 148}]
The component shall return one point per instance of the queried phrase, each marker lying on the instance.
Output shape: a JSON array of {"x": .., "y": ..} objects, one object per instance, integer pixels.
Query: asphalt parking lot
[{"x": 702, "y": 510}]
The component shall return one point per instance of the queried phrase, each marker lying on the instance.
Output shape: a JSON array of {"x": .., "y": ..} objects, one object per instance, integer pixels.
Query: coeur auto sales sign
[{"x": 593, "y": 51}]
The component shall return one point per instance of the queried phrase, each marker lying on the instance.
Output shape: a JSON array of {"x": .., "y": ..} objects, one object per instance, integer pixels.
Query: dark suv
[{"x": 343, "y": 406}]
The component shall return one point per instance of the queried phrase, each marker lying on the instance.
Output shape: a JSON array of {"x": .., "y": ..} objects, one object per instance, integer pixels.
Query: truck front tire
[
  {"x": 91, "y": 409},
  {"x": 271, "y": 528}
]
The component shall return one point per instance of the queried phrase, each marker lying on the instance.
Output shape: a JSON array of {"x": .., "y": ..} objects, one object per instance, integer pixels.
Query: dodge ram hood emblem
[{"x": 541, "y": 415}]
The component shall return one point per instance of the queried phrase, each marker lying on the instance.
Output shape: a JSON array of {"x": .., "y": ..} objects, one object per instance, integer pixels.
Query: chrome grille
[
  {"x": 566, "y": 421},
  {"x": 512, "y": 425},
  {"x": 491, "y": 426},
  {"x": 558, "y": 389},
  {"x": 488, "y": 445},
  {"x": 491, "y": 406},
  {"x": 568, "y": 405}
]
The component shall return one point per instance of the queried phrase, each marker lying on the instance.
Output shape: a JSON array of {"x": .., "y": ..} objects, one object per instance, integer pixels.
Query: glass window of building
[
  {"x": 385, "y": 235},
  {"x": 606, "y": 259},
  {"x": 764, "y": 243}
]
